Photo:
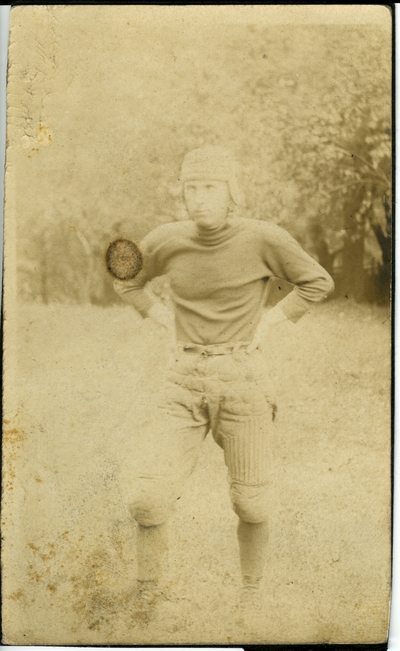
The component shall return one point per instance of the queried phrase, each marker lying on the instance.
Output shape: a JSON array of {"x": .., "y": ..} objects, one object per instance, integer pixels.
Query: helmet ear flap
[{"x": 236, "y": 192}]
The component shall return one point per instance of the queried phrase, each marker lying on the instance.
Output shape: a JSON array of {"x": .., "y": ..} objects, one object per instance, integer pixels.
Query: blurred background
[{"x": 104, "y": 127}]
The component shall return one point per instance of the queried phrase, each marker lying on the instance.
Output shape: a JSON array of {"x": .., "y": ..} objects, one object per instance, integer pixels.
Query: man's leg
[
  {"x": 250, "y": 504},
  {"x": 245, "y": 428},
  {"x": 152, "y": 548},
  {"x": 152, "y": 545},
  {"x": 253, "y": 538},
  {"x": 152, "y": 515},
  {"x": 169, "y": 457},
  {"x": 150, "y": 507}
]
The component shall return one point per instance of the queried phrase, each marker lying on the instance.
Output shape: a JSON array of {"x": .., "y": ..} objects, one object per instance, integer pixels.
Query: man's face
[{"x": 207, "y": 202}]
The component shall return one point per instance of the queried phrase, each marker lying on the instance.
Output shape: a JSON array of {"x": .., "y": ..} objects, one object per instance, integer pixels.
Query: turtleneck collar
[{"x": 212, "y": 237}]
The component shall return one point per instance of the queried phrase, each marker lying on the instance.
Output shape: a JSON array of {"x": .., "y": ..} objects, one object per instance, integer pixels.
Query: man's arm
[
  {"x": 312, "y": 283},
  {"x": 135, "y": 293},
  {"x": 288, "y": 261}
]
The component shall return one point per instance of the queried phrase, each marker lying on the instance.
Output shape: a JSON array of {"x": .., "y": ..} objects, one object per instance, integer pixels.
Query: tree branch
[
  {"x": 367, "y": 163},
  {"x": 360, "y": 182}
]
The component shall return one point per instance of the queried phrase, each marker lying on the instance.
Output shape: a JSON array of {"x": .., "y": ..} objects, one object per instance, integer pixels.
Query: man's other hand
[
  {"x": 269, "y": 319},
  {"x": 164, "y": 316}
]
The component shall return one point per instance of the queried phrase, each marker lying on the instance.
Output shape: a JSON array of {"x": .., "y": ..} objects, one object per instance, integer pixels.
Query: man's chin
[
  {"x": 207, "y": 224},
  {"x": 203, "y": 223}
]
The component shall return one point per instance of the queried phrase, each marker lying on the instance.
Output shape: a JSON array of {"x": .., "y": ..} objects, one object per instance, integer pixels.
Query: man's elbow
[{"x": 329, "y": 286}]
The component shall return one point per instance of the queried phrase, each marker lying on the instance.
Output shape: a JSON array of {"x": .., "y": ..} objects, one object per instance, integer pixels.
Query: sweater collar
[{"x": 212, "y": 237}]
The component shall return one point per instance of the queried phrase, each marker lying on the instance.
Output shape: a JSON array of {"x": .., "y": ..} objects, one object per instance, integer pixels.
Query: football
[{"x": 124, "y": 259}]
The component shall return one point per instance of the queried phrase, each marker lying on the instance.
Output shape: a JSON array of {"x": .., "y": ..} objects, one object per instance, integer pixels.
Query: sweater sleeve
[
  {"x": 287, "y": 260},
  {"x": 134, "y": 291}
]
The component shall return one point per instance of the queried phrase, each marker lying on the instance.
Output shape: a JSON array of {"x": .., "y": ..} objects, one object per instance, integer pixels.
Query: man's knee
[
  {"x": 250, "y": 503},
  {"x": 152, "y": 507},
  {"x": 151, "y": 512}
]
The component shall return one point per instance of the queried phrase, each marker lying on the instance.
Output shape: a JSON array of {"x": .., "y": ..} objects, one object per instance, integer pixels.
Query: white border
[
  {"x": 394, "y": 628},
  {"x": 394, "y": 632}
]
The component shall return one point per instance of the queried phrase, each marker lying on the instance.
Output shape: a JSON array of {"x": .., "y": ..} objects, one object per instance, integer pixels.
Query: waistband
[{"x": 213, "y": 349}]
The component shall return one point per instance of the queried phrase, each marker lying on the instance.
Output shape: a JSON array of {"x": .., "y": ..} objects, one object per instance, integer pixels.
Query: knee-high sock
[
  {"x": 252, "y": 548},
  {"x": 152, "y": 545}
]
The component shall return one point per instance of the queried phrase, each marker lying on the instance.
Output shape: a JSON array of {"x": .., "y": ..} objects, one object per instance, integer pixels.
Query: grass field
[{"x": 85, "y": 385}]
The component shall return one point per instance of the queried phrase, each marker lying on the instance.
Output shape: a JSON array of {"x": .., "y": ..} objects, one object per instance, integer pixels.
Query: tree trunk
[{"x": 354, "y": 278}]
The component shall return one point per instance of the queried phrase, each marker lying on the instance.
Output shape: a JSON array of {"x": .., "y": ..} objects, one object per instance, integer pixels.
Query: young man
[{"x": 219, "y": 267}]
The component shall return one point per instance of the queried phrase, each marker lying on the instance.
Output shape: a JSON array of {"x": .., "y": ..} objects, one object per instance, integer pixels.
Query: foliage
[{"x": 305, "y": 108}]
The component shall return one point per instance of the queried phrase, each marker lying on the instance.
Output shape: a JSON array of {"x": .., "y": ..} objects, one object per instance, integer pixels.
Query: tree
[{"x": 345, "y": 162}]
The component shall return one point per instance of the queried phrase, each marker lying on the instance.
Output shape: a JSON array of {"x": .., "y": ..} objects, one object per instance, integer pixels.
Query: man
[{"x": 218, "y": 266}]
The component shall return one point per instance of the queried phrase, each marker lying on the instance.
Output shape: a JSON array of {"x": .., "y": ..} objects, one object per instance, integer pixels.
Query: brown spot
[
  {"x": 32, "y": 546},
  {"x": 44, "y": 132},
  {"x": 44, "y": 136},
  {"x": 12, "y": 436},
  {"x": 13, "y": 439},
  {"x": 99, "y": 591},
  {"x": 38, "y": 480},
  {"x": 51, "y": 587},
  {"x": 16, "y": 595},
  {"x": 46, "y": 557},
  {"x": 124, "y": 259}
]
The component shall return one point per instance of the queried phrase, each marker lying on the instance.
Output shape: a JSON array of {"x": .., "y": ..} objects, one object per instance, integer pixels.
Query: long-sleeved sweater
[{"x": 219, "y": 279}]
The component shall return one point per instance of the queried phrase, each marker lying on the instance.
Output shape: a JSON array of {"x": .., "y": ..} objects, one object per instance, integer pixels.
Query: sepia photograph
[{"x": 197, "y": 440}]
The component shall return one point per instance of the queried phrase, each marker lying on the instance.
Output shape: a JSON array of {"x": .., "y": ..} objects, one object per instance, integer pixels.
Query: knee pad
[
  {"x": 151, "y": 506},
  {"x": 250, "y": 503},
  {"x": 150, "y": 515}
]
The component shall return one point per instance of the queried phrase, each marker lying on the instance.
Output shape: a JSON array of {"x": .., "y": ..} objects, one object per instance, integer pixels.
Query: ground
[{"x": 85, "y": 382}]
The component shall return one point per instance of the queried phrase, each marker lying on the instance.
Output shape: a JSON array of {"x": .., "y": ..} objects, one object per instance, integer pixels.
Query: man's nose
[{"x": 199, "y": 197}]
